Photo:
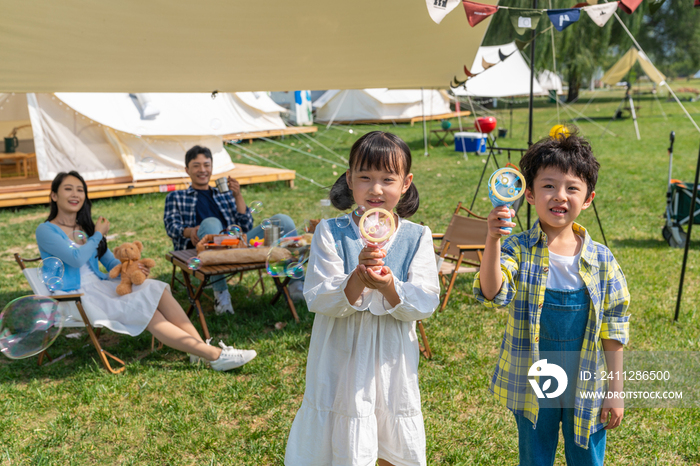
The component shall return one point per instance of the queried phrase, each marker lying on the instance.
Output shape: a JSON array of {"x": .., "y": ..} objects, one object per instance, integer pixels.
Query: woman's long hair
[
  {"x": 84, "y": 216},
  {"x": 378, "y": 150}
]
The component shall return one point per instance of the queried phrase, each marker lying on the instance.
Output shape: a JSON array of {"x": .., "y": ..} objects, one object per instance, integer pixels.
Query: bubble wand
[
  {"x": 506, "y": 186},
  {"x": 376, "y": 227}
]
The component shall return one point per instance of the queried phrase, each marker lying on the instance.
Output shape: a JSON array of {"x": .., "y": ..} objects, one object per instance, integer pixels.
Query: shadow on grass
[{"x": 255, "y": 324}]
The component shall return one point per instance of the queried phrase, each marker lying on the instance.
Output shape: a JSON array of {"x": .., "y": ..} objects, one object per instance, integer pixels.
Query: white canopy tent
[
  {"x": 505, "y": 78},
  {"x": 107, "y": 136},
  {"x": 380, "y": 104},
  {"x": 550, "y": 81}
]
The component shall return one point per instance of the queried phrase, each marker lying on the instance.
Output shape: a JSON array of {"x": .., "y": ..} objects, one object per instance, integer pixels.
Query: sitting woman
[{"x": 149, "y": 306}]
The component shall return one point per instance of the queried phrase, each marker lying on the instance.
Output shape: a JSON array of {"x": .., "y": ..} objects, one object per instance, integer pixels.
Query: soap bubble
[
  {"x": 266, "y": 224},
  {"x": 29, "y": 325},
  {"x": 54, "y": 284},
  {"x": 256, "y": 207},
  {"x": 51, "y": 270},
  {"x": 342, "y": 221},
  {"x": 147, "y": 165},
  {"x": 194, "y": 264},
  {"x": 350, "y": 131},
  {"x": 360, "y": 211},
  {"x": 288, "y": 256},
  {"x": 215, "y": 123},
  {"x": 234, "y": 231},
  {"x": 79, "y": 236}
]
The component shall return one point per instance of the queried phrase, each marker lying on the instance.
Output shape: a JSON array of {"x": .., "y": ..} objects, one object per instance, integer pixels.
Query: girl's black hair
[
  {"x": 378, "y": 150},
  {"x": 84, "y": 216}
]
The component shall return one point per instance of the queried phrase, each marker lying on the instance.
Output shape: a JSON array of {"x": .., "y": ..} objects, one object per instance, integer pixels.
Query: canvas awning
[
  {"x": 620, "y": 69},
  {"x": 186, "y": 46}
]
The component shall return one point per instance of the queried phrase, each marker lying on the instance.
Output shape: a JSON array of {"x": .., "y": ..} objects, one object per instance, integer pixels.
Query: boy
[{"x": 567, "y": 300}]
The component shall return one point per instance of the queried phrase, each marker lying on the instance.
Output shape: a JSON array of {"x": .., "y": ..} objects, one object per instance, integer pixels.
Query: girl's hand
[
  {"x": 613, "y": 409},
  {"x": 102, "y": 226},
  {"x": 145, "y": 269},
  {"x": 371, "y": 256},
  {"x": 498, "y": 218},
  {"x": 379, "y": 280}
]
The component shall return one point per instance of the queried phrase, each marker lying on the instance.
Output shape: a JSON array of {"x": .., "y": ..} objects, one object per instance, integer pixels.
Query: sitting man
[{"x": 201, "y": 210}]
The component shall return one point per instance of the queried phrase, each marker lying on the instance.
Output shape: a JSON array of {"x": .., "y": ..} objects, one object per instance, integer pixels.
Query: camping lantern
[{"x": 485, "y": 124}]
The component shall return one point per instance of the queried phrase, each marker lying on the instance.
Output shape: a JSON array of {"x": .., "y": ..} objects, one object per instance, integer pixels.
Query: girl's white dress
[
  {"x": 129, "y": 314},
  {"x": 362, "y": 400}
]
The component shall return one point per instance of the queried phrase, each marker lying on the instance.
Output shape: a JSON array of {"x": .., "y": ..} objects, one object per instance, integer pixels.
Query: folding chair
[
  {"x": 73, "y": 312},
  {"x": 461, "y": 248}
]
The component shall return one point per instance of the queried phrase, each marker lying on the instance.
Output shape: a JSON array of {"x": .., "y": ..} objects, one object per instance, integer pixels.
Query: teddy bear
[{"x": 130, "y": 256}]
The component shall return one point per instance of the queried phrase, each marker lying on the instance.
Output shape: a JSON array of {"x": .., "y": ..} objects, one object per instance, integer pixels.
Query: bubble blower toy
[
  {"x": 376, "y": 227},
  {"x": 506, "y": 186}
]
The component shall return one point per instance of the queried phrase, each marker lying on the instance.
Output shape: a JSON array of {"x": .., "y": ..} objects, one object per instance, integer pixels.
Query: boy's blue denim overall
[{"x": 562, "y": 328}]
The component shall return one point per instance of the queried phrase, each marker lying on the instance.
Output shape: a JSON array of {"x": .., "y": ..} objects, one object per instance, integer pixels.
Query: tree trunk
[{"x": 574, "y": 84}]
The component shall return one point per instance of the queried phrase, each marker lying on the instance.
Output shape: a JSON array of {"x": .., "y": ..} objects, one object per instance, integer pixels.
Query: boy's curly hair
[{"x": 570, "y": 154}]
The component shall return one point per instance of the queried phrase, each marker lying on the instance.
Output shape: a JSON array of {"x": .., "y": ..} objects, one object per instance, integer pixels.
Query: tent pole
[
  {"x": 634, "y": 114},
  {"x": 425, "y": 133},
  {"x": 335, "y": 114},
  {"x": 687, "y": 239},
  {"x": 532, "y": 84}
]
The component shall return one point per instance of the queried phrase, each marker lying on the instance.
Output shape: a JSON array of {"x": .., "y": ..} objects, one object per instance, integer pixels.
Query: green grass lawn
[{"x": 163, "y": 411}]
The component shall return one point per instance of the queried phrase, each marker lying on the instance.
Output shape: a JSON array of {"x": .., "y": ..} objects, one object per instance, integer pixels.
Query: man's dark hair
[
  {"x": 570, "y": 154},
  {"x": 195, "y": 151}
]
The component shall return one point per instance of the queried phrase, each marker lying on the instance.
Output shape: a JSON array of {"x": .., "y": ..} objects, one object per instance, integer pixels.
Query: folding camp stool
[{"x": 71, "y": 306}]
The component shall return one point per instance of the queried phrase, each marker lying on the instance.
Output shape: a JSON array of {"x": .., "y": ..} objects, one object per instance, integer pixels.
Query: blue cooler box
[{"x": 470, "y": 142}]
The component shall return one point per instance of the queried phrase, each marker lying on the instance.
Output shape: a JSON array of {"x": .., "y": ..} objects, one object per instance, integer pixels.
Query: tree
[
  {"x": 671, "y": 38},
  {"x": 580, "y": 49}
]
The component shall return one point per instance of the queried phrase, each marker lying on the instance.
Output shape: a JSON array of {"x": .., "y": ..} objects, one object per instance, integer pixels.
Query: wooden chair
[
  {"x": 71, "y": 307},
  {"x": 461, "y": 248}
]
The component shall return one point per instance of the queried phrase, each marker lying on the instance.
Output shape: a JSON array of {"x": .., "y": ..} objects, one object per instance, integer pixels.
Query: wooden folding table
[{"x": 181, "y": 259}]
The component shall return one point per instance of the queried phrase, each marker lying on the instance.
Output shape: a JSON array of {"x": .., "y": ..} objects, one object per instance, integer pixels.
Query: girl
[
  {"x": 362, "y": 402},
  {"x": 150, "y": 306}
]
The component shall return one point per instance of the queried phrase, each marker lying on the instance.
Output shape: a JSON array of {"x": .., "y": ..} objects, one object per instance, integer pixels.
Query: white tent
[
  {"x": 380, "y": 104},
  {"x": 142, "y": 136},
  {"x": 697, "y": 75},
  {"x": 505, "y": 78},
  {"x": 550, "y": 81}
]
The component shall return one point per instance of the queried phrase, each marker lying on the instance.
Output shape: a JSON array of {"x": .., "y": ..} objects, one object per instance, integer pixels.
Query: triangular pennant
[
  {"x": 654, "y": 5},
  {"x": 438, "y": 9},
  {"x": 521, "y": 44},
  {"x": 600, "y": 14},
  {"x": 467, "y": 72},
  {"x": 503, "y": 56},
  {"x": 628, "y": 6},
  {"x": 486, "y": 65},
  {"x": 562, "y": 19},
  {"x": 523, "y": 20},
  {"x": 476, "y": 12}
]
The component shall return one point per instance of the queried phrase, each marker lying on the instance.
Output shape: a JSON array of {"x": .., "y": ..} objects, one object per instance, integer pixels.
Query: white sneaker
[
  {"x": 296, "y": 290},
  {"x": 231, "y": 358},
  {"x": 222, "y": 302}
]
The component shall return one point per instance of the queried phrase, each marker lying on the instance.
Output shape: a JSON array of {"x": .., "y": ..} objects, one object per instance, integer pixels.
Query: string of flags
[{"x": 524, "y": 19}]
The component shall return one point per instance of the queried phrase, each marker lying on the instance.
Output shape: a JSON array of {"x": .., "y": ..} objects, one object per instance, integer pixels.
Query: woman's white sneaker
[
  {"x": 231, "y": 358},
  {"x": 222, "y": 302}
]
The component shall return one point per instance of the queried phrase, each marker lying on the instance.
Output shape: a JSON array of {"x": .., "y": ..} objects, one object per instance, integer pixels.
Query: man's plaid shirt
[
  {"x": 180, "y": 213},
  {"x": 525, "y": 265}
]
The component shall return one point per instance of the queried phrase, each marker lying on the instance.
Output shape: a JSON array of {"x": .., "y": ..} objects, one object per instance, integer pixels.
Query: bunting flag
[
  {"x": 523, "y": 20},
  {"x": 438, "y": 9},
  {"x": 628, "y": 6},
  {"x": 562, "y": 19},
  {"x": 467, "y": 72},
  {"x": 486, "y": 65},
  {"x": 503, "y": 56},
  {"x": 601, "y": 13},
  {"x": 476, "y": 12},
  {"x": 654, "y": 5}
]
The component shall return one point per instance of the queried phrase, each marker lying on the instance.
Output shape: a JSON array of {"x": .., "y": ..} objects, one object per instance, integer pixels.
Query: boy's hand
[
  {"x": 498, "y": 218},
  {"x": 613, "y": 409},
  {"x": 371, "y": 256}
]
